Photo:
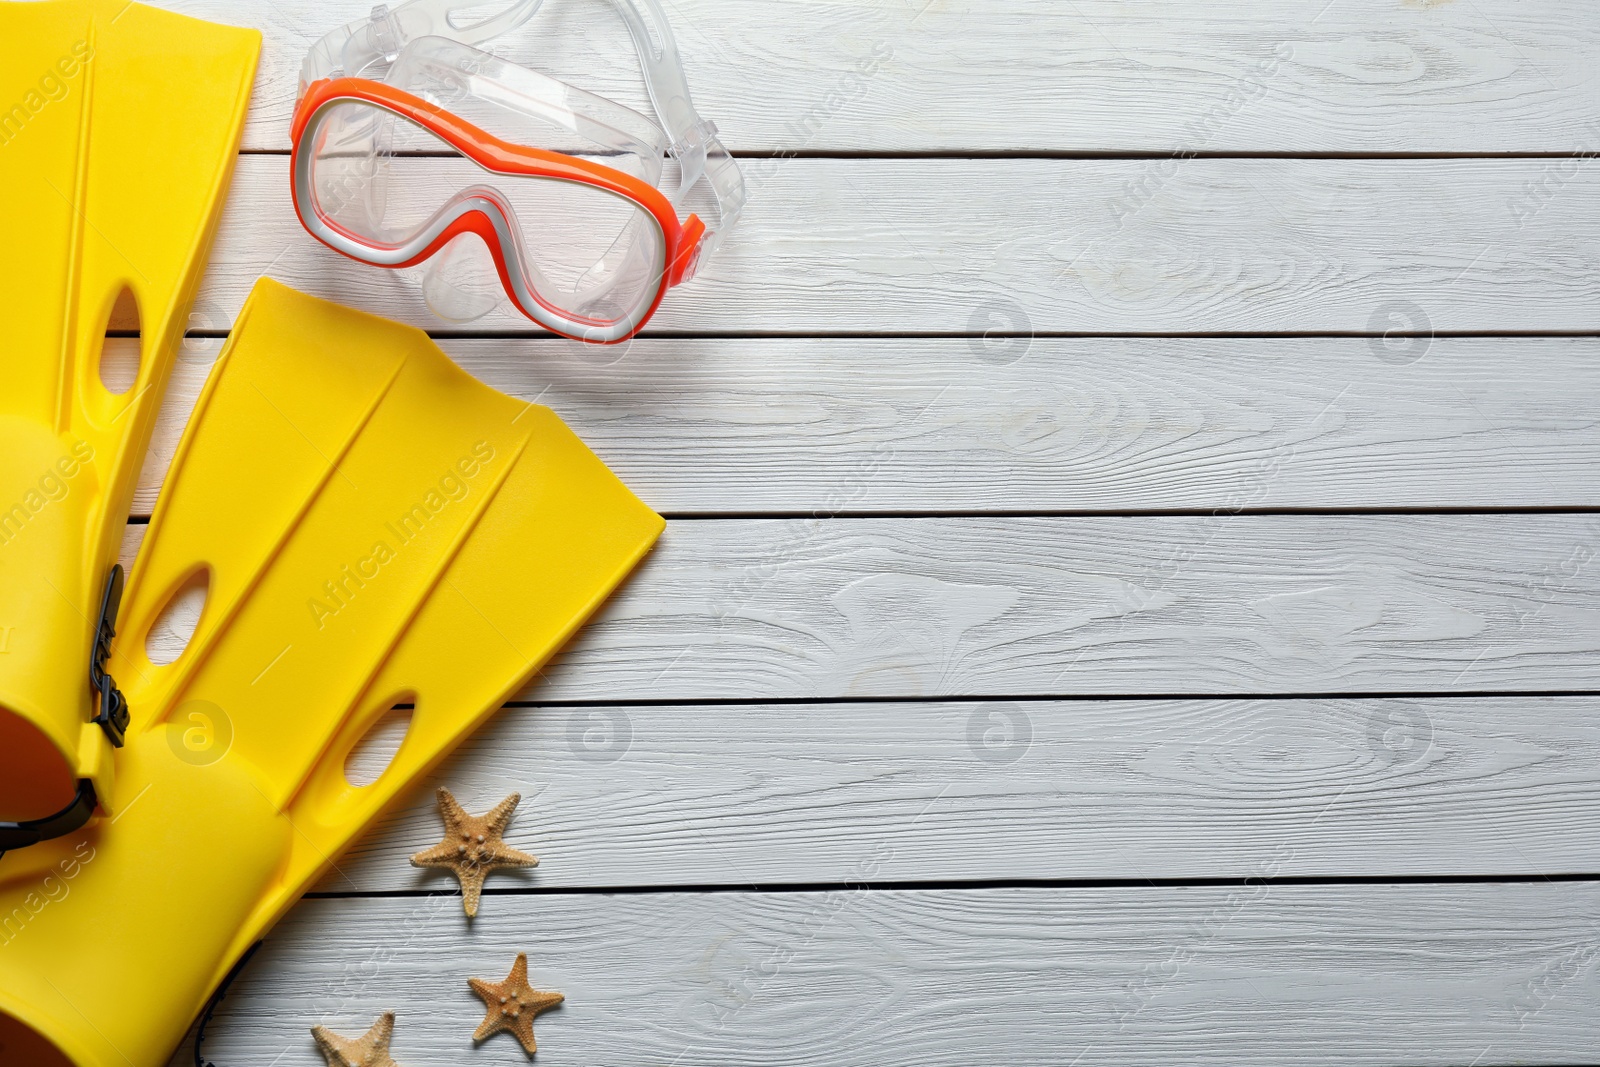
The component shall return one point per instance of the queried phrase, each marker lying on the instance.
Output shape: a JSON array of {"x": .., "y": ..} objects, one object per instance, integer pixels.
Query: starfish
[
  {"x": 472, "y": 846},
  {"x": 371, "y": 1049},
  {"x": 512, "y": 1004}
]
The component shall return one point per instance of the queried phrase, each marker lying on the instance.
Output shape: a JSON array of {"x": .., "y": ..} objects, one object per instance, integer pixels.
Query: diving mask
[{"x": 584, "y": 245}]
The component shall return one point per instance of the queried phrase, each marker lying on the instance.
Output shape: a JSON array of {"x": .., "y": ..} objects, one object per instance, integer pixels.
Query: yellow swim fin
[
  {"x": 372, "y": 527},
  {"x": 119, "y": 126}
]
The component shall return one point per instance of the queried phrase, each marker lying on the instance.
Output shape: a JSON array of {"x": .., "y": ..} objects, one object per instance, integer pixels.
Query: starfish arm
[
  {"x": 471, "y": 888},
  {"x": 369, "y": 1050},
  {"x": 519, "y": 972},
  {"x": 506, "y": 856},
  {"x": 382, "y": 1032},
  {"x": 330, "y": 1044},
  {"x": 441, "y": 855},
  {"x": 500, "y": 816},
  {"x": 451, "y": 811},
  {"x": 524, "y": 1031}
]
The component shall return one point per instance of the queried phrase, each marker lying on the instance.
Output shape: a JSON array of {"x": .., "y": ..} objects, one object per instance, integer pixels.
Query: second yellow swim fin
[{"x": 372, "y": 528}]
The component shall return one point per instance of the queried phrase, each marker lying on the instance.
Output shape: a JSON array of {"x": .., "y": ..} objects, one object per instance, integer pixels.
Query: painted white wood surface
[
  {"x": 990, "y": 607},
  {"x": 1001, "y": 611},
  {"x": 1086, "y": 76},
  {"x": 831, "y": 426},
  {"x": 1380, "y": 975},
  {"x": 1076, "y": 245},
  {"x": 768, "y": 795}
]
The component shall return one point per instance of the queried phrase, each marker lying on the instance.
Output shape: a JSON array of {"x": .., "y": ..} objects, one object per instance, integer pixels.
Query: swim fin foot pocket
[
  {"x": 372, "y": 526},
  {"x": 112, "y": 717}
]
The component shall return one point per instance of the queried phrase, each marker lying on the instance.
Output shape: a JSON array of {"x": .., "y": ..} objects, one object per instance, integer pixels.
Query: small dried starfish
[
  {"x": 512, "y": 1004},
  {"x": 371, "y": 1049},
  {"x": 472, "y": 846}
]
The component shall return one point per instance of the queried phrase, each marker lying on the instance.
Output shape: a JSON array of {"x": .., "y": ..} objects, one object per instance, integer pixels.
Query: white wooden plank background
[
  {"x": 831, "y": 426},
  {"x": 1085, "y": 76},
  {"x": 999, "y": 605},
  {"x": 1257, "y": 974},
  {"x": 1103, "y": 246},
  {"x": 771, "y": 794},
  {"x": 990, "y": 607}
]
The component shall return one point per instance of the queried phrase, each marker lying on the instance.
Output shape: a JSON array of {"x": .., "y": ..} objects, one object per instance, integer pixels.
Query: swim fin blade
[
  {"x": 119, "y": 127},
  {"x": 372, "y": 527}
]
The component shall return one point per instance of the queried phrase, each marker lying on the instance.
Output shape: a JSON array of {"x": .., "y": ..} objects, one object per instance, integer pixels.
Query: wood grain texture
[
  {"x": 767, "y": 795},
  {"x": 981, "y": 622},
  {"x": 1009, "y": 246},
  {"x": 1253, "y": 974},
  {"x": 993, "y": 607},
  {"x": 1089, "y": 76},
  {"x": 829, "y": 425}
]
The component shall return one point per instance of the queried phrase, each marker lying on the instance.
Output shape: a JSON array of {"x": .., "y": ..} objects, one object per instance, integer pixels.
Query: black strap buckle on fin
[{"x": 113, "y": 717}]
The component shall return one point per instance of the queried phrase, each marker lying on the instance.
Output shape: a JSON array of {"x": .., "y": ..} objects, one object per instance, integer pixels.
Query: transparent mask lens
[
  {"x": 350, "y": 169},
  {"x": 579, "y": 251},
  {"x": 591, "y": 253}
]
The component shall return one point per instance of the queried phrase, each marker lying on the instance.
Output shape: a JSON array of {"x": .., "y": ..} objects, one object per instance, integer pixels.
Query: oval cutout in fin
[
  {"x": 376, "y": 750},
  {"x": 121, "y": 355},
  {"x": 174, "y": 628}
]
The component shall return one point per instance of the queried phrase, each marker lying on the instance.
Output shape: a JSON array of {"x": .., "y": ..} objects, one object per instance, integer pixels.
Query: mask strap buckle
[
  {"x": 385, "y": 32},
  {"x": 696, "y": 139},
  {"x": 690, "y": 150}
]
